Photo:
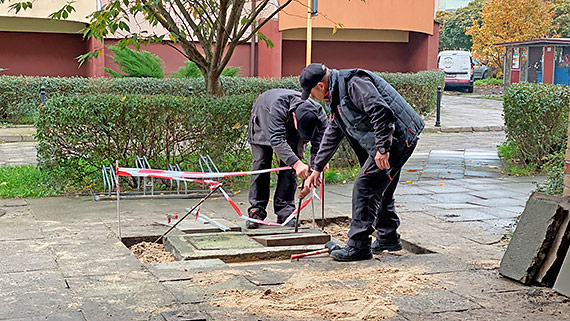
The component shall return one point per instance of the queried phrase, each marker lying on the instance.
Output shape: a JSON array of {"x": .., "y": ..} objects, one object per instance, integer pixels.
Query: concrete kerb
[{"x": 463, "y": 129}]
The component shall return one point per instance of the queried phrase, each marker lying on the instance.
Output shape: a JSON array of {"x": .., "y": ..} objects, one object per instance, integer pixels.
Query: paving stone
[
  {"x": 33, "y": 294},
  {"x": 25, "y": 255},
  {"x": 200, "y": 289},
  {"x": 534, "y": 235},
  {"x": 494, "y": 193},
  {"x": 182, "y": 270},
  {"x": 433, "y": 301},
  {"x": 462, "y": 215}
]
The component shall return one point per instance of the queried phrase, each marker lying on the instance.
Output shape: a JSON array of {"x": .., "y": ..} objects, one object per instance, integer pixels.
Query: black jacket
[
  {"x": 271, "y": 124},
  {"x": 370, "y": 114}
]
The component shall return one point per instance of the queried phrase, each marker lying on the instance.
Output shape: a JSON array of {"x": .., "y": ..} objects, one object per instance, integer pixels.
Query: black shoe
[
  {"x": 350, "y": 253},
  {"x": 291, "y": 223},
  {"x": 379, "y": 247},
  {"x": 253, "y": 213}
]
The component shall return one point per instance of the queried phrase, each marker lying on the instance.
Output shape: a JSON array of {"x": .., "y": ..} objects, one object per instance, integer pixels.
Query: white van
[{"x": 458, "y": 68}]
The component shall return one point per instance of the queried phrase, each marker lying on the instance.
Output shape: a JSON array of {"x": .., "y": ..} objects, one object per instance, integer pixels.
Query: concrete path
[{"x": 461, "y": 113}]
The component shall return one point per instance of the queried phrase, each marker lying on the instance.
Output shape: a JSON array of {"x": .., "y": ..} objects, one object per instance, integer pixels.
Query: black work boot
[
  {"x": 350, "y": 253},
  {"x": 391, "y": 246},
  {"x": 253, "y": 212},
  {"x": 291, "y": 223}
]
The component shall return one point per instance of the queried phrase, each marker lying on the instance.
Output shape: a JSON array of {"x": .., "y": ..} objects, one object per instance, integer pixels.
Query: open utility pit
[{"x": 265, "y": 243}]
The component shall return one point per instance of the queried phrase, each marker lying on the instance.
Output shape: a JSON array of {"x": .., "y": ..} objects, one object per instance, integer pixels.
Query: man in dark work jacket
[
  {"x": 283, "y": 123},
  {"x": 383, "y": 130}
]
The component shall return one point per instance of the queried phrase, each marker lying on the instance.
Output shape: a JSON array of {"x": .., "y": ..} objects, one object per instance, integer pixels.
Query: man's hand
[
  {"x": 382, "y": 160},
  {"x": 305, "y": 191},
  {"x": 301, "y": 169},
  {"x": 314, "y": 180}
]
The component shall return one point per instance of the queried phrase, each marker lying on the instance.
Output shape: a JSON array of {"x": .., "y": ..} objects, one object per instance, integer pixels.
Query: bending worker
[
  {"x": 383, "y": 130},
  {"x": 283, "y": 123}
]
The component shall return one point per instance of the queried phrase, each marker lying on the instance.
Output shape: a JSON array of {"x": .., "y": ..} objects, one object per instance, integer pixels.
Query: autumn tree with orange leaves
[{"x": 505, "y": 21}]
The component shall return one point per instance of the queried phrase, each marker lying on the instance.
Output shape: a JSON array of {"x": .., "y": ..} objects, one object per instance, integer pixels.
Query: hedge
[
  {"x": 77, "y": 134},
  {"x": 19, "y": 95},
  {"x": 536, "y": 119}
]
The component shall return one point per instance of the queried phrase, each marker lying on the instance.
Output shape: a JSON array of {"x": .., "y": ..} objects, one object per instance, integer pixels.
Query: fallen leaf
[
  {"x": 235, "y": 193},
  {"x": 271, "y": 200},
  {"x": 3, "y": 183},
  {"x": 448, "y": 171},
  {"x": 123, "y": 99},
  {"x": 215, "y": 198},
  {"x": 236, "y": 126},
  {"x": 494, "y": 167},
  {"x": 409, "y": 182},
  {"x": 412, "y": 170},
  {"x": 440, "y": 184}
]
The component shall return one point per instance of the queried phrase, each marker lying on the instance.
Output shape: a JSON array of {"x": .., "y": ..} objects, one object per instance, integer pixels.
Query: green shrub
[
  {"x": 136, "y": 63},
  {"x": 190, "y": 70},
  {"x": 419, "y": 89},
  {"x": 19, "y": 96},
  {"x": 536, "y": 119},
  {"x": 78, "y": 134},
  {"x": 488, "y": 81},
  {"x": 554, "y": 167}
]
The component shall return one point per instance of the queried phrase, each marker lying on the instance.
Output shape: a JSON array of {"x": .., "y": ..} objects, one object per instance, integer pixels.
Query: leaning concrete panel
[
  {"x": 562, "y": 284},
  {"x": 533, "y": 237}
]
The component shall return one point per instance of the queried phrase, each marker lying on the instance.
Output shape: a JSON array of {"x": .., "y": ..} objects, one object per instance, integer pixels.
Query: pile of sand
[
  {"x": 148, "y": 252},
  {"x": 350, "y": 293}
]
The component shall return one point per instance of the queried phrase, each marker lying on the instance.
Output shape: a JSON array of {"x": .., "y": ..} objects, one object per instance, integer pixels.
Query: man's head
[
  {"x": 314, "y": 80},
  {"x": 307, "y": 120}
]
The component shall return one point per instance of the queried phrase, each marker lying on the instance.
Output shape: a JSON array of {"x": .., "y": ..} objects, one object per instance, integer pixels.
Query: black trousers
[
  {"x": 373, "y": 206},
  {"x": 284, "y": 198}
]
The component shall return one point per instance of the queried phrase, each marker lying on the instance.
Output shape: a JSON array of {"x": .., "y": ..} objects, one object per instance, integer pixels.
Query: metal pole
[
  {"x": 438, "y": 111},
  {"x": 212, "y": 191},
  {"x": 43, "y": 95},
  {"x": 309, "y": 32},
  {"x": 323, "y": 200},
  {"x": 118, "y": 199},
  {"x": 252, "y": 55}
]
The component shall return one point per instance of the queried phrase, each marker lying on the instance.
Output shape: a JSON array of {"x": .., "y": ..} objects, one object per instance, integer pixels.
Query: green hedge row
[
  {"x": 77, "y": 134},
  {"x": 20, "y": 98},
  {"x": 536, "y": 119}
]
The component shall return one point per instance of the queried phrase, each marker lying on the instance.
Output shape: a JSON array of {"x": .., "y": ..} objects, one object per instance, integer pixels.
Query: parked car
[
  {"x": 458, "y": 68},
  {"x": 480, "y": 71}
]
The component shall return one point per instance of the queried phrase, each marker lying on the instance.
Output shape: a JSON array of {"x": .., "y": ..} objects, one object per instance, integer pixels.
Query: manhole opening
[{"x": 219, "y": 245}]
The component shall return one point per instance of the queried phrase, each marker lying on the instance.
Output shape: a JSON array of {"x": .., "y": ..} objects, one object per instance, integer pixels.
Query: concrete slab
[
  {"x": 533, "y": 237},
  {"x": 562, "y": 284},
  {"x": 34, "y": 294},
  {"x": 219, "y": 241},
  {"x": 182, "y": 270},
  {"x": 434, "y": 301},
  {"x": 26, "y": 255},
  {"x": 293, "y": 239}
]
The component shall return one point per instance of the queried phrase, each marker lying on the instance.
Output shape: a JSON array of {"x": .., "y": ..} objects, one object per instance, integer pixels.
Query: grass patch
[
  {"x": 341, "y": 175},
  {"x": 498, "y": 98},
  {"x": 25, "y": 181},
  {"x": 513, "y": 165},
  {"x": 488, "y": 81}
]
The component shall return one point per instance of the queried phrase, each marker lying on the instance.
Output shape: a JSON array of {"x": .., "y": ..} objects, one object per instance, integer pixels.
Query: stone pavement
[
  {"x": 61, "y": 258},
  {"x": 19, "y": 133},
  {"x": 460, "y": 113},
  {"x": 16, "y": 154}
]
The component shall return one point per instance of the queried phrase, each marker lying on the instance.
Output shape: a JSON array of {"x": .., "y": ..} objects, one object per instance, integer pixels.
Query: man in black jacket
[
  {"x": 383, "y": 131},
  {"x": 283, "y": 123}
]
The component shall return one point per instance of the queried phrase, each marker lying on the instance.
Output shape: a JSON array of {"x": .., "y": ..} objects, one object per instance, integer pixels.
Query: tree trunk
[{"x": 213, "y": 84}]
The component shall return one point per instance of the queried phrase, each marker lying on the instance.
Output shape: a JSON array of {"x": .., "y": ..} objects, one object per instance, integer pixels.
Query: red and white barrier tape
[{"x": 193, "y": 177}]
